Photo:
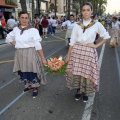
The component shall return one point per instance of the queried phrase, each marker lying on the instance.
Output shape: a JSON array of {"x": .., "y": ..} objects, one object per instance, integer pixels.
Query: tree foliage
[
  {"x": 99, "y": 6},
  {"x": 23, "y": 5}
]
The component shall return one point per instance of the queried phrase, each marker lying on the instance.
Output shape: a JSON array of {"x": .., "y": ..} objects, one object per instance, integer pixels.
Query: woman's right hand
[{"x": 13, "y": 43}]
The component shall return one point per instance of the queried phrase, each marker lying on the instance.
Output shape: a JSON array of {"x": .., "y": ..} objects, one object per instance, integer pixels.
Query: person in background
[
  {"x": 50, "y": 26},
  {"x": 17, "y": 22},
  {"x": 45, "y": 26},
  {"x": 104, "y": 23},
  {"x": 29, "y": 59},
  {"x": 54, "y": 25},
  {"x": 95, "y": 18},
  {"x": 40, "y": 27},
  {"x": 62, "y": 20},
  {"x": 115, "y": 33},
  {"x": 119, "y": 19},
  {"x": 36, "y": 22},
  {"x": 83, "y": 70},
  {"x": 11, "y": 23},
  {"x": 3, "y": 27},
  {"x": 70, "y": 24}
]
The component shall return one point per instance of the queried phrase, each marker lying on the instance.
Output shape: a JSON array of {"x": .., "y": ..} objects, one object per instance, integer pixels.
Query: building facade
[
  {"x": 7, "y": 8},
  {"x": 41, "y": 7},
  {"x": 28, "y": 5},
  {"x": 61, "y": 6}
]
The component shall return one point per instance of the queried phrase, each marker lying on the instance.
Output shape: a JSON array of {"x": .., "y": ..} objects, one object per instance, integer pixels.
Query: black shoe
[
  {"x": 27, "y": 89},
  {"x": 77, "y": 96},
  {"x": 85, "y": 98},
  {"x": 35, "y": 93}
]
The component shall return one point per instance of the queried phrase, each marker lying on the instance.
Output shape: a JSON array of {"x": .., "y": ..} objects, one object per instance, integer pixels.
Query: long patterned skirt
[
  {"x": 83, "y": 70},
  {"x": 115, "y": 38},
  {"x": 29, "y": 67}
]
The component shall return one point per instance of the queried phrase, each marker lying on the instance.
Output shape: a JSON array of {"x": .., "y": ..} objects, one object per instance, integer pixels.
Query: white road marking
[
  {"x": 8, "y": 83},
  {"x": 89, "y": 104}
]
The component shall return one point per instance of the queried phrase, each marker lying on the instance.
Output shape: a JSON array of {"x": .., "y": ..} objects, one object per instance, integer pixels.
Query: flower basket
[{"x": 56, "y": 65}]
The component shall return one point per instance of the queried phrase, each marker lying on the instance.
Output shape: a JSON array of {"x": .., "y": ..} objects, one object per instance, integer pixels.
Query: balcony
[
  {"x": 10, "y": 2},
  {"x": 7, "y": 3}
]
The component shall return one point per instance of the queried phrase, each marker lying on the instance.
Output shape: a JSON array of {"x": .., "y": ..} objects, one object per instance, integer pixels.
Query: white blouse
[
  {"x": 89, "y": 35},
  {"x": 29, "y": 38},
  {"x": 69, "y": 24},
  {"x": 54, "y": 23},
  {"x": 116, "y": 25}
]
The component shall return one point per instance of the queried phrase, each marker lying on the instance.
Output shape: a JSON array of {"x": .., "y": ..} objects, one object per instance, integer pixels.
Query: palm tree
[
  {"x": 69, "y": 1},
  {"x": 99, "y": 6},
  {"x": 76, "y": 7},
  {"x": 102, "y": 6},
  {"x": 23, "y": 5},
  {"x": 55, "y": 7},
  {"x": 33, "y": 15}
]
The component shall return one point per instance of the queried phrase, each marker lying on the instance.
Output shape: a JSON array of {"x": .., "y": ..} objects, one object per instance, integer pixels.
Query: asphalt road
[{"x": 55, "y": 101}]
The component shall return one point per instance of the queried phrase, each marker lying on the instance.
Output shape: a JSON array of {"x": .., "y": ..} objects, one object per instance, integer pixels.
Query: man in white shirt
[
  {"x": 70, "y": 24},
  {"x": 54, "y": 25},
  {"x": 50, "y": 25},
  {"x": 11, "y": 23}
]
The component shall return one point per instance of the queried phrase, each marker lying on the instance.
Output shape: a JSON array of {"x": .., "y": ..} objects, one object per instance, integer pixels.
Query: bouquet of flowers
[{"x": 56, "y": 65}]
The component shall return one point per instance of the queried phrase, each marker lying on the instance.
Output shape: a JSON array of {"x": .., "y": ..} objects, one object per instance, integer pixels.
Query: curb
[{"x": 3, "y": 43}]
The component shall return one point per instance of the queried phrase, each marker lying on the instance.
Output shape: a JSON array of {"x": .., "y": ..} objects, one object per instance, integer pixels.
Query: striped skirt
[
  {"x": 83, "y": 70},
  {"x": 28, "y": 63},
  {"x": 115, "y": 38}
]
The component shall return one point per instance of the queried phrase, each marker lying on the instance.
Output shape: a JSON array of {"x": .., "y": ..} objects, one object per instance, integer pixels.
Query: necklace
[{"x": 88, "y": 26}]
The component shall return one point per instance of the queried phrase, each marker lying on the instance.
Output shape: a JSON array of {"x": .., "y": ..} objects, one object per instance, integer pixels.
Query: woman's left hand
[{"x": 91, "y": 45}]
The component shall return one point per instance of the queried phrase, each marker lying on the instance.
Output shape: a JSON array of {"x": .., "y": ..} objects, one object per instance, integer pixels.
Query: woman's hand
[
  {"x": 91, "y": 45},
  {"x": 67, "y": 59},
  {"x": 13, "y": 43},
  {"x": 44, "y": 61}
]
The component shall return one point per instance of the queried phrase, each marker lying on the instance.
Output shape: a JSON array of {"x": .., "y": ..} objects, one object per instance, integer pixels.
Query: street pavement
[{"x": 55, "y": 101}]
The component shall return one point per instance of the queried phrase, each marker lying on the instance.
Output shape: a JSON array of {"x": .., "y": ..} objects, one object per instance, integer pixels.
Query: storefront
[
  {"x": 7, "y": 12},
  {"x": 7, "y": 9}
]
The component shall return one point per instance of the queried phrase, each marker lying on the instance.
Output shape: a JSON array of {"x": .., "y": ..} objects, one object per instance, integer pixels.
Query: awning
[{"x": 10, "y": 6}]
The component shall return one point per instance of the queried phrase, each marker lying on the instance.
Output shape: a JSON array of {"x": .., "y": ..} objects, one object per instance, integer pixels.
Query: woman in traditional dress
[
  {"x": 83, "y": 71},
  {"x": 115, "y": 32},
  {"x": 29, "y": 58}
]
